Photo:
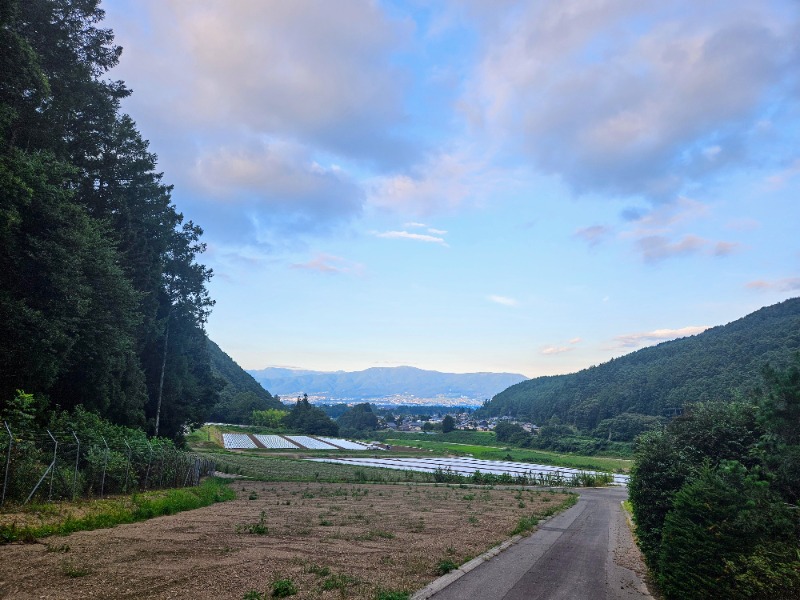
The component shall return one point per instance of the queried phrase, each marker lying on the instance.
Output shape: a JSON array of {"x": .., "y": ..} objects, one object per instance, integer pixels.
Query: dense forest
[
  {"x": 716, "y": 493},
  {"x": 240, "y": 394},
  {"x": 102, "y": 298},
  {"x": 722, "y": 363}
]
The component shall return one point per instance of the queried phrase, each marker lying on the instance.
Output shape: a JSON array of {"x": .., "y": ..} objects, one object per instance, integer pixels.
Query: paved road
[{"x": 585, "y": 553}]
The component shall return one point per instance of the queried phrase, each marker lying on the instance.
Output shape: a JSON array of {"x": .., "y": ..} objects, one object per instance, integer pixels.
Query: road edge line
[{"x": 437, "y": 585}]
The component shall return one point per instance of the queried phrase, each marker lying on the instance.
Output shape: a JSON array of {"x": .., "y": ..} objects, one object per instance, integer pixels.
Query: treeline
[
  {"x": 716, "y": 496},
  {"x": 102, "y": 297},
  {"x": 721, "y": 363}
]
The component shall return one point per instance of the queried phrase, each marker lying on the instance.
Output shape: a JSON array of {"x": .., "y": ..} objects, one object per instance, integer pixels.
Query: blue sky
[{"x": 532, "y": 187}]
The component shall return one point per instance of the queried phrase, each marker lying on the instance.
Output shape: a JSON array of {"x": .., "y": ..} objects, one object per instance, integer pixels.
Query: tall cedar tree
[{"x": 102, "y": 300}]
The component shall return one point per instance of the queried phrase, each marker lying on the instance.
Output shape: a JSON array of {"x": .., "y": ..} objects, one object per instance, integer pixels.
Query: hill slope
[
  {"x": 379, "y": 382},
  {"x": 714, "y": 365},
  {"x": 240, "y": 394}
]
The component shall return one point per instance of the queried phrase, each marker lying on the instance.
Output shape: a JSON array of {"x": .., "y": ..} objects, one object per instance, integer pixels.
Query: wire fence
[{"x": 50, "y": 465}]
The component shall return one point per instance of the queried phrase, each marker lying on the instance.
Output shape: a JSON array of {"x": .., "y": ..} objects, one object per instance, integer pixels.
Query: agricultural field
[
  {"x": 325, "y": 540},
  {"x": 592, "y": 463}
]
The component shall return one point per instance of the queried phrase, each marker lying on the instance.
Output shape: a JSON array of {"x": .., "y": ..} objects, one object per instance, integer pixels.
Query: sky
[{"x": 485, "y": 185}]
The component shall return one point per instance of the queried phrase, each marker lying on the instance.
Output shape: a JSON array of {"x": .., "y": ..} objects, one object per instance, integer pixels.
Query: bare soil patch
[{"x": 332, "y": 540}]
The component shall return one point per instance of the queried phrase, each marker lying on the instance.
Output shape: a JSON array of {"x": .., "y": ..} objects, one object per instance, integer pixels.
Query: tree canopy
[
  {"x": 715, "y": 496},
  {"x": 102, "y": 298}
]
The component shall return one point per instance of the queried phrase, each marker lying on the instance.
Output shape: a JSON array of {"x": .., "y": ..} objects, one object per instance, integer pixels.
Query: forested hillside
[
  {"x": 718, "y": 364},
  {"x": 240, "y": 394},
  {"x": 102, "y": 297}
]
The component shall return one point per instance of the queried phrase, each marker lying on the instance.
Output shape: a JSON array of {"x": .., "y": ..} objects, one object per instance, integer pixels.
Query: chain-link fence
[{"x": 57, "y": 465}]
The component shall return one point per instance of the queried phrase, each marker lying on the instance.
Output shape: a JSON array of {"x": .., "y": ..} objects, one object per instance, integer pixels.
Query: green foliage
[
  {"x": 283, "y": 588},
  {"x": 139, "y": 507},
  {"x": 718, "y": 364},
  {"x": 309, "y": 419},
  {"x": 358, "y": 419},
  {"x": 443, "y": 567},
  {"x": 102, "y": 300},
  {"x": 716, "y": 515},
  {"x": 240, "y": 395},
  {"x": 448, "y": 424},
  {"x": 258, "y": 528},
  {"x": 272, "y": 418},
  {"x": 627, "y": 426},
  {"x": 392, "y": 595}
]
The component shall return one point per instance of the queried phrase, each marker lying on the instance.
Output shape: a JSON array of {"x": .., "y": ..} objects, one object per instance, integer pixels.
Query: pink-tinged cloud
[
  {"x": 788, "y": 284},
  {"x": 548, "y": 350},
  {"x": 505, "y": 301},
  {"x": 327, "y": 263},
  {"x": 576, "y": 340},
  {"x": 725, "y": 248},
  {"x": 593, "y": 235},
  {"x": 655, "y": 248},
  {"x": 636, "y": 340},
  {"x": 405, "y": 235}
]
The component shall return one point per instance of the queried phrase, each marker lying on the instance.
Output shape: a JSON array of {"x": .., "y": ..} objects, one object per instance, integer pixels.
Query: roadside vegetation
[
  {"x": 36, "y": 521},
  {"x": 716, "y": 496}
]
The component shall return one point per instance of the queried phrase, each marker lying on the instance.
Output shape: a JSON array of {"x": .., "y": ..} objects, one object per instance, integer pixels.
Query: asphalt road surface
[{"x": 585, "y": 553}]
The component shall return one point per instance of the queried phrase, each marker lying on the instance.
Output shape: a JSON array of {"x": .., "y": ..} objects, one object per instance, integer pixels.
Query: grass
[
  {"x": 443, "y": 567},
  {"x": 259, "y": 528},
  {"x": 100, "y": 514},
  {"x": 268, "y": 467},
  {"x": 528, "y": 522}
]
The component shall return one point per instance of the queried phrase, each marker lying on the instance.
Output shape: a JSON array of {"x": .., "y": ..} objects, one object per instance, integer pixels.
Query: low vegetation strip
[
  {"x": 322, "y": 540},
  {"x": 32, "y": 522}
]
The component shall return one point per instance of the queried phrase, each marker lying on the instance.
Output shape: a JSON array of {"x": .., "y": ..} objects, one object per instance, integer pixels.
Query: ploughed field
[{"x": 331, "y": 540}]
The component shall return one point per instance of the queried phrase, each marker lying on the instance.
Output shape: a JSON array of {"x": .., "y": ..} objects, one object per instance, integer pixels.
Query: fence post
[
  {"x": 8, "y": 464},
  {"x": 48, "y": 470},
  {"x": 105, "y": 465},
  {"x": 128, "y": 466},
  {"x": 77, "y": 458},
  {"x": 53, "y": 472},
  {"x": 161, "y": 471},
  {"x": 149, "y": 461}
]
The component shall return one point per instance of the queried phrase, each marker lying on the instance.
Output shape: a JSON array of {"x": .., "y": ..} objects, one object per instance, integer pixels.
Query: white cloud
[
  {"x": 548, "y": 350},
  {"x": 636, "y": 340},
  {"x": 278, "y": 178},
  {"x": 633, "y": 98},
  {"x": 444, "y": 182},
  {"x": 405, "y": 235},
  {"x": 504, "y": 300},
  {"x": 309, "y": 69}
]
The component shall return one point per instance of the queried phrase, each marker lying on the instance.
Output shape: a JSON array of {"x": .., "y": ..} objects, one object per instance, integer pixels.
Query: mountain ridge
[
  {"x": 376, "y": 382},
  {"x": 721, "y": 363}
]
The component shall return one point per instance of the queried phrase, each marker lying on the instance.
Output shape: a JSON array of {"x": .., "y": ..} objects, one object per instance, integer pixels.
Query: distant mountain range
[
  {"x": 381, "y": 382},
  {"x": 722, "y": 363}
]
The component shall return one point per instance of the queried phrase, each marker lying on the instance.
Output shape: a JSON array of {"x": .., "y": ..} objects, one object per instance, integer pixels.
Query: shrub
[{"x": 284, "y": 588}]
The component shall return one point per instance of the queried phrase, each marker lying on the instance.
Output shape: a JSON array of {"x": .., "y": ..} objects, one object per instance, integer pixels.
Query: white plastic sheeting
[
  {"x": 237, "y": 441},
  {"x": 346, "y": 444},
  {"x": 275, "y": 441},
  {"x": 311, "y": 443},
  {"x": 467, "y": 466}
]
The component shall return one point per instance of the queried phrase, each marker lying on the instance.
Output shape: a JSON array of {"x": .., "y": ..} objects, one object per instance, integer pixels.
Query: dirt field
[{"x": 332, "y": 540}]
